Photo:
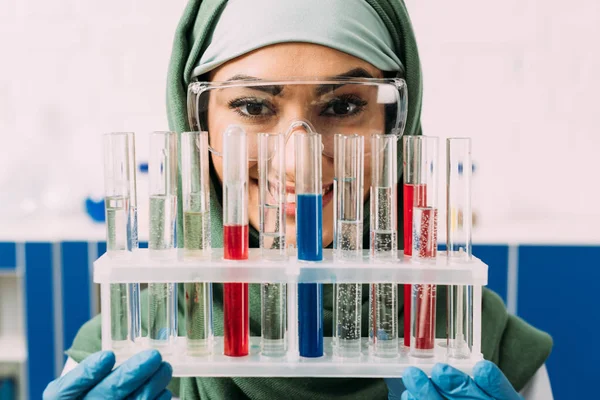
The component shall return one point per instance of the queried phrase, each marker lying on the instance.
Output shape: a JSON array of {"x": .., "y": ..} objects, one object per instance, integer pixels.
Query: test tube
[
  {"x": 309, "y": 237},
  {"x": 412, "y": 191},
  {"x": 121, "y": 232},
  {"x": 383, "y": 297},
  {"x": 348, "y": 229},
  {"x": 458, "y": 239},
  {"x": 271, "y": 172},
  {"x": 196, "y": 238},
  {"x": 424, "y": 247},
  {"x": 162, "y": 170},
  {"x": 235, "y": 239}
]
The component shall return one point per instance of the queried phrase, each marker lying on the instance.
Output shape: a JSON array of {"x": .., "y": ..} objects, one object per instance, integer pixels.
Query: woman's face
[{"x": 281, "y": 61}]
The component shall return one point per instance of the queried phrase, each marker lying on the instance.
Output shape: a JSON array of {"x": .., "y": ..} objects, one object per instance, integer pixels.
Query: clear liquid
[
  {"x": 273, "y": 319},
  {"x": 198, "y": 317},
  {"x": 196, "y": 232},
  {"x": 162, "y": 319},
  {"x": 272, "y": 245},
  {"x": 386, "y": 319},
  {"x": 163, "y": 210},
  {"x": 383, "y": 222},
  {"x": 383, "y": 244},
  {"x": 349, "y": 239},
  {"x": 117, "y": 223},
  {"x": 119, "y": 319},
  {"x": 347, "y": 323}
]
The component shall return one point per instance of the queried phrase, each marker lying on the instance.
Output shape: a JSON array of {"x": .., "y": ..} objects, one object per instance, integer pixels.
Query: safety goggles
[{"x": 361, "y": 106}]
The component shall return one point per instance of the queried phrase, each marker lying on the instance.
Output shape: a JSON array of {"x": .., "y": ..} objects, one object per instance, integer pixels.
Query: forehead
[{"x": 286, "y": 60}]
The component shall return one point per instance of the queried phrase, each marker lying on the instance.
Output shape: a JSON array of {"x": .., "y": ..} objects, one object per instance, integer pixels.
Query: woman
[{"x": 273, "y": 40}]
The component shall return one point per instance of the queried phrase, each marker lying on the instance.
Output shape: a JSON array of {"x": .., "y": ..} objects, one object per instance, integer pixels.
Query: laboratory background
[{"x": 520, "y": 77}]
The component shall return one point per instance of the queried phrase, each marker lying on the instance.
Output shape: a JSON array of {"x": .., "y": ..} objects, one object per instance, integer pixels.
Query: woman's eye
[
  {"x": 251, "y": 108},
  {"x": 344, "y": 107}
]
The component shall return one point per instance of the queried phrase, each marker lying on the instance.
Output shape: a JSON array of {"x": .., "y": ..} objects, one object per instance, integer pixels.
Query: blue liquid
[
  {"x": 309, "y": 227},
  {"x": 309, "y": 236},
  {"x": 310, "y": 316}
]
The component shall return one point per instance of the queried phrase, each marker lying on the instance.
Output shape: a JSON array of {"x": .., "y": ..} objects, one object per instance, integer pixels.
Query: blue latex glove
[
  {"x": 488, "y": 383},
  {"x": 143, "y": 376}
]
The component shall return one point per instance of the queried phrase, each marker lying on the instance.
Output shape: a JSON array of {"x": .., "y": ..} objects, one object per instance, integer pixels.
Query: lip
[{"x": 290, "y": 208}]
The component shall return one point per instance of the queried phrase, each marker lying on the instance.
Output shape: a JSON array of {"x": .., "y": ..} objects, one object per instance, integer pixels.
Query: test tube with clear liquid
[
  {"x": 309, "y": 237},
  {"x": 383, "y": 297},
  {"x": 235, "y": 238},
  {"x": 162, "y": 297},
  {"x": 195, "y": 186},
  {"x": 458, "y": 239},
  {"x": 348, "y": 187},
  {"x": 271, "y": 178},
  {"x": 412, "y": 191},
  {"x": 121, "y": 232},
  {"x": 424, "y": 245}
]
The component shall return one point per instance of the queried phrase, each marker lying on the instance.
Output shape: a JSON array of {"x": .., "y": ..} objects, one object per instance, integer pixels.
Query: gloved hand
[
  {"x": 143, "y": 376},
  {"x": 488, "y": 383}
]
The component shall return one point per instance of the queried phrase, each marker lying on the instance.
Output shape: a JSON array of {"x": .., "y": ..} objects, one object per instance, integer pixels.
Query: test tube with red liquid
[
  {"x": 458, "y": 239},
  {"x": 412, "y": 191},
  {"x": 235, "y": 239},
  {"x": 424, "y": 247},
  {"x": 383, "y": 297}
]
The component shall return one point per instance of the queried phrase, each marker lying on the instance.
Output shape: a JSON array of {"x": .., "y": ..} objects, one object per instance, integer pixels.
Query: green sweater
[{"x": 516, "y": 347}]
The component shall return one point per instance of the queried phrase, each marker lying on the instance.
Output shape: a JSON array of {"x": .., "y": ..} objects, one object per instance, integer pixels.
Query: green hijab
[{"x": 518, "y": 348}]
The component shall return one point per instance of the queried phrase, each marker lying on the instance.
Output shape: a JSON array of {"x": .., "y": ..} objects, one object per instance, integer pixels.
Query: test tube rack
[{"x": 139, "y": 267}]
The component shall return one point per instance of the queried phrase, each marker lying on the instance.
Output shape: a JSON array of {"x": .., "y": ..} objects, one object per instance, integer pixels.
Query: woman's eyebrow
[
  {"x": 353, "y": 73},
  {"x": 273, "y": 90}
]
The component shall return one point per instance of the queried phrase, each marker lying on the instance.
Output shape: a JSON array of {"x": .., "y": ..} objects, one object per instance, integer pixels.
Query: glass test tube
[
  {"x": 162, "y": 297},
  {"x": 413, "y": 193},
  {"x": 235, "y": 238},
  {"x": 196, "y": 238},
  {"x": 121, "y": 232},
  {"x": 458, "y": 237},
  {"x": 271, "y": 171},
  {"x": 348, "y": 195},
  {"x": 383, "y": 297},
  {"x": 424, "y": 247},
  {"x": 309, "y": 237}
]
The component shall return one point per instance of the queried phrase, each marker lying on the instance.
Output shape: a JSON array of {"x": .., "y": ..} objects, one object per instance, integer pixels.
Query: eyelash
[{"x": 359, "y": 103}]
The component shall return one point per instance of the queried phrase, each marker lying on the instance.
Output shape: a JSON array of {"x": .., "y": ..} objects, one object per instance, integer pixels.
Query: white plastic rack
[{"x": 139, "y": 267}]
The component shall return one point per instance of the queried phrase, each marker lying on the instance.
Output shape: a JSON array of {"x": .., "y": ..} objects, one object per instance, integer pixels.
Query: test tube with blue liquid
[
  {"x": 271, "y": 172},
  {"x": 348, "y": 229},
  {"x": 383, "y": 297},
  {"x": 162, "y": 297},
  {"x": 196, "y": 238},
  {"x": 458, "y": 240},
  {"x": 121, "y": 232},
  {"x": 309, "y": 236}
]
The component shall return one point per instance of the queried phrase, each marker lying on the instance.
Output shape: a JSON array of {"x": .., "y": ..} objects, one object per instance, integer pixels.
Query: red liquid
[
  {"x": 235, "y": 295},
  {"x": 426, "y": 294},
  {"x": 236, "y": 319},
  {"x": 235, "y": 239},
  {"x": 409, "y": 203}
]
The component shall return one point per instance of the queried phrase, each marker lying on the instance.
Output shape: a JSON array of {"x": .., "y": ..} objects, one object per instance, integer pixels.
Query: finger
[
  {"x": 165, "y": 395},
  {"x": 156, "y": 384},
  {"x": 85, "y": 376},
  {"x": 395, "y": 388},
  {"x": 453, "y": 383},
  {"x": 407, "y": 396},
  {"x": 493, "y": 382},
  {"x": 128, "y": 376},
  {"x": 419, "y": 385}
]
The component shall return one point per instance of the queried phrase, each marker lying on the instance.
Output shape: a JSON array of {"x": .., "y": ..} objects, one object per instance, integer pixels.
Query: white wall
[{"x": 519, "y": 76}]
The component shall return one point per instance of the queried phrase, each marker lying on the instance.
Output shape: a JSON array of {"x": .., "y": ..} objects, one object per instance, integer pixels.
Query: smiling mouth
[{"x": 290, "y": 199}]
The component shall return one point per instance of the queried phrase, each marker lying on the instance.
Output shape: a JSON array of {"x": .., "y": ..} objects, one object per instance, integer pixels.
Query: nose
[{"x": 297, "y": 126}]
